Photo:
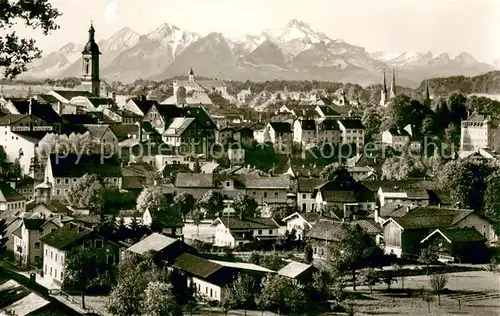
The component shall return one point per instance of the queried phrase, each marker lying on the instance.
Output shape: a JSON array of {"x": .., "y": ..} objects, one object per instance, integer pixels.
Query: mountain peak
[
  {"x": 298, "y": 23},
  {"x": 465, "y": 57},
  {"x": 166, "y": 29}
]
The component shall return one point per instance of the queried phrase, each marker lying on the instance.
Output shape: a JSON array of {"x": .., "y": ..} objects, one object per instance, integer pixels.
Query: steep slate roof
[
  {"x": 20, "y": 300},
  {"x": 344, "y": 196},
  {"x": 328, "y": 111},
  {"x": 308, "y": 125},
  {"x": 280, "y": 127},
  {"x": 55, "y": 206},
  {"x": 41, "y": 110},
  {"x": 33, "y": 223},
  {"x": 143, "y": 104},
  {"x": 196, "y": 265},
  {"x": 11, "y": 118},
  {"x": 328, "y": 125},
  {"x": 154, "y": 242},
  {"x": 76, "y": 166},
  {"x": 393, "y": 210},
  {"x": 66, "y": 235},
  {"x": 250, "y": 223},
  {"x": 98, "y": 101},
  {"x": 33, "y": 137},
  {"x": 352, "y": 124},
  {"x": 201, "y": 116},
  {"x": 47, "y": 98},
  {"x": 432, "y": 217},
  {"x": 8, "y": 194},
  {"x": 326, "y": 229},
  {"x": 413, "y": 189},
  {"x": 398, "y": 132},
  {"x": 310, "y": 217}
]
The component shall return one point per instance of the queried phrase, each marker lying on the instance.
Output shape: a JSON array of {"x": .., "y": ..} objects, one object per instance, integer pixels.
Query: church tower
[
  {"x": 427, "y": 98},
  {"x": 383, "y": 93},
  {"x": 90, "y": 66},
  {"x": 393, "y": 85},
  {"x": 191, "y": 75}
]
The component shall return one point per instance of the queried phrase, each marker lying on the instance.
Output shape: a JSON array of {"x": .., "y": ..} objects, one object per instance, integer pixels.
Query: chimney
[
  {"x": 59, "y": 108},
  {"x": 408, "y": 209},
  {"x": 376, "y": 214}
]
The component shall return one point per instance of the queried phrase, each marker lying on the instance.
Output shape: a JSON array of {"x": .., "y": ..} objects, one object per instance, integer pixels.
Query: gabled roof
[
  {"x": 432, "y": 217},
  {"x": 54, "y": 206},
  {"x": 369, "y": 226},
  {"x": 307, "y": 185},
  {"x": 98, "y": 101},
  {"x": 201, "y": 116},
  {"x": 48, "y": 98},
  {"x": 79, "y": 119},
  {"x": 32, "y": 136},
  {"x": 328, "y": 125},
  {"x": 326, "y": 229},
  {"x": 76, "y": 166},
  {"x": 42, "y": 110},
  {"x": 96, "y": 130},
  {"x": 308, "y": 125},
  {"x": 195, "y": 180},
  {"x": 33, "y": 223},
  {"x": 458, "y": 235},
  {"x": 143, "y": 104},
  {"x": 351, "y": 124},
  {"x": 154, "y": 242},
  {"x": 281, "y": 127},
  {"x": 252, "y": 181},
  {"x": 398, "y": 132},
  {"x": 328, "y": 111},
  {"x": 70, "y": 94},
  {"x": 20, "y": 300},
  {"x": 195, "y": 265},
  {"x": 66, "y": 235},
  {"x": 236, "y": 223},
  {"x": 124, "y": 131},
  {"x": 310, "y": 217},
  {"x": 295, "y": 269},
  {"x": 178, "y": 126},
  {"x": 8, "y": 194}
]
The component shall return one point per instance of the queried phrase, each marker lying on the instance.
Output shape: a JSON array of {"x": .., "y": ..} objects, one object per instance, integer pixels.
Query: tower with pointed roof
[
  {"x": 383, "y": 93},
  {"x": 90, "y": 64},
  {"x": 191, "y": 75},
  {"x": 393, "y": 86}
]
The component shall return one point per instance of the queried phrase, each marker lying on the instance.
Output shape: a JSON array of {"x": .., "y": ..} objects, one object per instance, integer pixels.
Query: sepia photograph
[{"x": 249, "y": 157}]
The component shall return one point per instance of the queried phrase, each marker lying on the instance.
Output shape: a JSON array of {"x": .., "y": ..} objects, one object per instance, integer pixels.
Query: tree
[
  {"x": 272, "y": 261},
  {"x": 427, "y": 297},
  {"x": 150, "y": 198},
  {"x": 388, "y": 278},
  {"x": 491, "y": 204},
  {"x": 159, "y": 300},
  {"x": 370, "y": 277},
  {"x": 16, "y": 171},
  {"x": 428, "y": 125},
  {"x": 35, "y": 166},
  {"x": 81, "y": 268},
  {"x": 308, "y": 253},
  {"x": 336, "y": 172},
  {"x": 245, "y": 206},
  {"x": 355, "y": 250},
  {"x": 125, "y": 298},
  {"x": 321, "y": 287},
  {"x": 428, "y": 256},
  {"x": 372, "y": 119},
  {"x": 197, "y": 216},
  {"x": 86, "y": 192},
  {"x": 438, "y": 283},
  {"x": 243, "y": 288},
  {"x": 184, "y": 202},
  {"x": 212, "y": 203},
  {"x": 16, "y": 52},
  {"x": 254, "y": 258},
  {"x": 280, "y": 294},
  {"x": 398, "y": 269},
  {"x": 3, "y": 237},
  {"x": 228, "y": 300}
]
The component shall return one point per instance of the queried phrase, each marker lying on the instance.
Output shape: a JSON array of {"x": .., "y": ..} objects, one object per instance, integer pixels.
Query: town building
[
  {"x": 480, "y": 132},
  {"x": 232, "y": 231},
  {"x": 58, "y": 245}
]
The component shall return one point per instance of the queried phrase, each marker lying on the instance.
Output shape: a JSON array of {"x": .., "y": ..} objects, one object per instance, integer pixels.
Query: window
[
  {"x": 37, "y": 245},
  {"x": 45, "y": 269},
  {"x": 50, "y": 271},
  {"x": 98, "y": 244},
  {"x": 58, "y": 181},
  {"x": 228, "y": 184},
  {"x": 260, "y": 232},
  {"x": 110, "y": 259},
  {"x": 270, "y": 232},
  {"x": 276, "y": 195},
  {"x": 211, "y": 293},
  {"x": 46, "y": 252},
  {"x": 51, "y": 254},
  {"x": 303, "y": 196},
  {"x": 52, "y": 230},
  {"x": 265, "y": 194},
  {"x": 66, "y": 181},
  {"x": 62, "y": 276},
  {"x": 56, "y": 257},
  {"x": 86, "y": 244}
]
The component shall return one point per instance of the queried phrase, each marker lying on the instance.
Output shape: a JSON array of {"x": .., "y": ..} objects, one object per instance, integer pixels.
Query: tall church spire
[
  {"x": 393, "y": 85},
  {"x": 383, "y": 93},
  {"x": 90, "y": 67}
]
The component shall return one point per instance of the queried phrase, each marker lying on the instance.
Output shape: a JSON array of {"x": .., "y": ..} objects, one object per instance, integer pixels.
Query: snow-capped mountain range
[{"x": 293, "y": 52}]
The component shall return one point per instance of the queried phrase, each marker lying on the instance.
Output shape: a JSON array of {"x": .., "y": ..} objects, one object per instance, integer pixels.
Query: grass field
[{"x": 479, "y": 294}]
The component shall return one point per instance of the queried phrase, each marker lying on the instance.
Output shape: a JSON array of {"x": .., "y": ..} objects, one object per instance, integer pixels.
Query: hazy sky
[{"x": 389, "y": 25}]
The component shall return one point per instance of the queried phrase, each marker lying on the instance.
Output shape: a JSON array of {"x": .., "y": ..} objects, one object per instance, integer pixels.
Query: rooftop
[{"x": 154, "y": 242}]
